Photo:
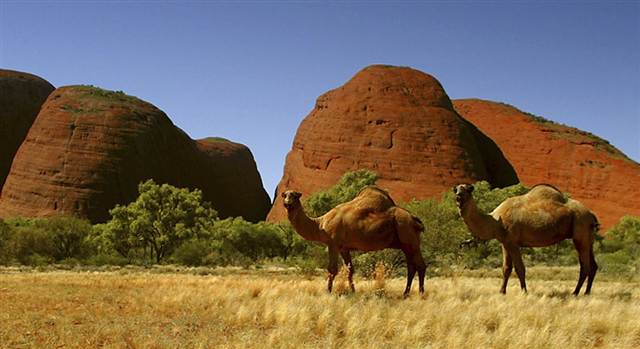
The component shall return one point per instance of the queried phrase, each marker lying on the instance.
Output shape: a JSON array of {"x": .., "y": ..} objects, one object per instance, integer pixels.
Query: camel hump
[
  {"x": 546, "y": 191},
  {"x": 546, "y": 185},
  {"x": 374, "y": 198},
  {"x": 372, "y": 189}
]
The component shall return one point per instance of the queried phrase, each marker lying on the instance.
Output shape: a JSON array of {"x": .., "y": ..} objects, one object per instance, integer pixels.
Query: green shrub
[
  {"x": 306, "y": 266},
  {"x": 345, "y": 190},
  {"x": 36, "y": 260},
  {"x": 617, "y": 262},
  {"x": 192, "y": 253},
  {"x": 394, "y": 261},
  {"x": 101, "y": 259},
  {"x": 66, "y": 235},
  {"x": 34, "y": 241},
  {"x": 6, "y": 235},
  {"x": 29, "y": 241},
  {"x": 290, "y": 244},
  {"x": 158, "y": 222},
  {"x": 619, "y": 252}
]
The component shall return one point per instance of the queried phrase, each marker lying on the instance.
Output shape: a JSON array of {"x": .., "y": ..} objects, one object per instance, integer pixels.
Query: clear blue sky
[{"x": 251, "y": 71}]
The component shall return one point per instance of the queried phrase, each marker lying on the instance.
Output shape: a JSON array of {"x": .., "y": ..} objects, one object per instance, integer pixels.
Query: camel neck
[
  {"x": 482, "y": 226},
  {"x": 308, "y": 228}
]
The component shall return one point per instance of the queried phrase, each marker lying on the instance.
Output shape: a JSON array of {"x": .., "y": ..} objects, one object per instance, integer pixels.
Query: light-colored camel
[
  {"x": 369, "y": 222},
  {"x": 542, "y": 217}
]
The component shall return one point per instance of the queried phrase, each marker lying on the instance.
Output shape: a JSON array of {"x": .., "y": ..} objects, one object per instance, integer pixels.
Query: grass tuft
[{"x": 379, "y": 279}]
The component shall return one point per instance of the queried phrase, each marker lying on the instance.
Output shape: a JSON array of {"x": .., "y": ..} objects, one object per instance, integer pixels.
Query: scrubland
[{"x": 263, "y": 309}]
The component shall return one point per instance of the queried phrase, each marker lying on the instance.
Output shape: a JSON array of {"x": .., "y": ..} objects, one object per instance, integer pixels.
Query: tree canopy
[{"x": 160, "y": 219}]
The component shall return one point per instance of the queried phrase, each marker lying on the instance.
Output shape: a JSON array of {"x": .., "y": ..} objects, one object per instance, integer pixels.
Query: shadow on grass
[
  {"x": 563, "y": 295},
  {"x": 624, "y": 296}
]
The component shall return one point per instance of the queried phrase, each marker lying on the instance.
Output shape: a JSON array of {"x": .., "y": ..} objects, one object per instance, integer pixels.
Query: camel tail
[
  {"x": 595, "y": 225},
  {"x": 417, "y": 224}
]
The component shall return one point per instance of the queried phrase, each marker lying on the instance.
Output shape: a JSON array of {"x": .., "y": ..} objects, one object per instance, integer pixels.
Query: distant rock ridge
[
  {"x": 89, "y": 148},
  {"x": 580, "y": 163},
  {"x": 21, "y": 95},
  {"x": 398, "y": 122}
]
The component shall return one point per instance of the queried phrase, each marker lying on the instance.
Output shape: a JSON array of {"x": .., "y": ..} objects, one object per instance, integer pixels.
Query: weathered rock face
[
  {"x": 577, "y": 162},
  {"x": 21, "y": 96},
  {"x": 398, "y": 122},
  {"x": 89, "y": 148},
  {"x": 232, "y": 180}
]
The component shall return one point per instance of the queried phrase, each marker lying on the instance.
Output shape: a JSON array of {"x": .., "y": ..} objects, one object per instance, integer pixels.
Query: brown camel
[
  {"x": 369, "y": 222},
  {"x": 542, "y": 217}
]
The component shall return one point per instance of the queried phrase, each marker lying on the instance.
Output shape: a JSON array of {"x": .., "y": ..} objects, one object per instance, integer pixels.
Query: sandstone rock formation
[
  {"x": 398, "y": 122},
  {"x": 232, "y": 179},
  {"x": 21, "y": 96},
  {"x": 89, "y": 148},
  {"x": 577, "y": 162}
]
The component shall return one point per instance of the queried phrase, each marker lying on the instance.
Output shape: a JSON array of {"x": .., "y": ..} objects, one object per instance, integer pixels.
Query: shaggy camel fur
[
  {"x": 542, "y": 217},
  {"x": 369, "y": 222}
]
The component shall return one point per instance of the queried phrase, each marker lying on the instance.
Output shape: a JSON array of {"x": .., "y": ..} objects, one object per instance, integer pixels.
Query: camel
[
  {"x": 540, "y": 218},
  {"x": 369, "y": 222}
]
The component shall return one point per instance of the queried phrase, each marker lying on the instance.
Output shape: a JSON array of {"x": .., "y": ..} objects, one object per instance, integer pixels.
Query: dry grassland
[{"x": 244, "y": 309}]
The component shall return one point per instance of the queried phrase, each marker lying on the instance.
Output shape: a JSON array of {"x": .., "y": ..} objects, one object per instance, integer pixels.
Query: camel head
[
  {"x": 291, "y": 199},
  {"x": 463, "y": 194}
]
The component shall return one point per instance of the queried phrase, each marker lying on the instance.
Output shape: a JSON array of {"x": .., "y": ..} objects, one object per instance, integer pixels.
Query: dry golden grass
[{"x": 265, "y": 310}]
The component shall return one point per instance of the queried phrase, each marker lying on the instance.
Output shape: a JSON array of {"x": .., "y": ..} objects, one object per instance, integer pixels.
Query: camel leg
[
  {"x": 333, "y": 267},
  {"x": 346, "y": 257},
  {"x": 507, "y": 266},
  {"x": 584, "y": 255},
  {"x": 516, "y": 257},
  {"x": 418, "y": 261},
  {"x": 411, "y": 270},
  {"x": 592, "y": 273}
]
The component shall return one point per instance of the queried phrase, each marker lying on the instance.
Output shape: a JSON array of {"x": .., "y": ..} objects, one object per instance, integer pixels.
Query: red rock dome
[
  {"x": 21, "y": 95},
  {"x": 398, "y": 122},
  {"x": 577, "y": 162},
  {"x": 89, "y": 148}
]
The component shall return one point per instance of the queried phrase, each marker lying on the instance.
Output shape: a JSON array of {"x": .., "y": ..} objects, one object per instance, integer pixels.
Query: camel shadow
[
  {"x": 563, "y": 295},
  {"x": 624, "y": 296}
]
